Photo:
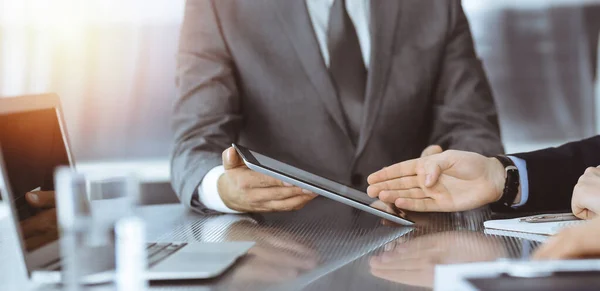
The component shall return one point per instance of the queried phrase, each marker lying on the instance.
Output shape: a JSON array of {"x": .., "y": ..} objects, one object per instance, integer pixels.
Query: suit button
[{"x": 357, "y": 180}]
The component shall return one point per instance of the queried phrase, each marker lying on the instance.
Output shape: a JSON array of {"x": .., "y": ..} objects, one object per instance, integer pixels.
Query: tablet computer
[{"x": 319, "y": 185}]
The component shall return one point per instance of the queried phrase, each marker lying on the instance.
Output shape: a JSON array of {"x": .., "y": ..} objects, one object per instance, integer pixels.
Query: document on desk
[{"x": 523, "y": 224}]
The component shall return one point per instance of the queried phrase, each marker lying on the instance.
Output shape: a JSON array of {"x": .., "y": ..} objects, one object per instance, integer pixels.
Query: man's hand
[
  {"x": 572, "y": 243},
  {"x": 247, "y": 191},
  {"x": 446, "y": 182},
  {"x": 41, "y": 227},
  {"x": 431, "y": 150},
  {"x": 41, "y": 199},
  {"x": 585, "y": 203}
]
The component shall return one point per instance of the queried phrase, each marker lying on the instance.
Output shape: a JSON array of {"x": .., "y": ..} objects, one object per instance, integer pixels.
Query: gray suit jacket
[{"x": 251, "y": 72}]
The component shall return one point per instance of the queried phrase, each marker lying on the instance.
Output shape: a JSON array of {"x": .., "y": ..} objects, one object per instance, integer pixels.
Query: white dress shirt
[{"x": 359, "y": 12}]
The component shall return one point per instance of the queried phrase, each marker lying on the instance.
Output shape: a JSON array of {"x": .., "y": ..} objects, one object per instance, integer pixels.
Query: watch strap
[{"x": 511, "y": 183}]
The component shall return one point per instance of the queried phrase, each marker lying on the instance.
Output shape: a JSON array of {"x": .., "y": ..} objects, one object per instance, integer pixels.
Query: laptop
[{"x": 33, "y": 142}]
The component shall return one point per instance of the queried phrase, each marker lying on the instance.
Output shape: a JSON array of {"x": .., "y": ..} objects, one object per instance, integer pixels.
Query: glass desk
[{"x": 329, "y": 246}]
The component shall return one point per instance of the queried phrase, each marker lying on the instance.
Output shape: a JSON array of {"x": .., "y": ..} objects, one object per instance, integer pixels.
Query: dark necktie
[{"x": 346, "y": 66}]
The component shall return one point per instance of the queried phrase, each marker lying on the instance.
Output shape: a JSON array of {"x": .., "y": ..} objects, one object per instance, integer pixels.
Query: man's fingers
[
  {"x": 431, "y": 150},
  {"x": 391, "y": 196},
  {"x": 420, "y": 205},
  {"x": 433, "y": 169},
  {"x": 231, "y": 159},
  {"x": 41, "y": 199},
  {"x": 402, "y": 183},
  {"x": 583, "y": 213},
  {"x": 259, "y": 180},
  {"x": 293, "y": 203},
  {"x": 407, "y": 168},
  {"x": 585, "y": 201},
  {"x": 275, "y": 193}
]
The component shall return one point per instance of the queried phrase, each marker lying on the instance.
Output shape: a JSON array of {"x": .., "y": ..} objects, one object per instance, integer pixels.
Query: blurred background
[{"x": 113, "y": 64}]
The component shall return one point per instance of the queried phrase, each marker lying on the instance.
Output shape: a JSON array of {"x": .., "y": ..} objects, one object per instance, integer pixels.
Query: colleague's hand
[
  {"x": 577, "y": 242},
  {"x": 585, "y": 203},
  {"x": 248, "y": 191},
  {"x": 431, "y": 150},
  {"x": 413, "y": 262},
  {"x": 446, "y": 182}
]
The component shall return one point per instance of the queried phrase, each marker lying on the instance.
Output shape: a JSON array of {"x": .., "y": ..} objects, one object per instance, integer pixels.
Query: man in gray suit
[{"x": 338, "y": 88}]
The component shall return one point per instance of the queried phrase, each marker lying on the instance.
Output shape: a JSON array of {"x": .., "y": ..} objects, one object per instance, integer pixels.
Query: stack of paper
[{"x": 544, "y": 228}]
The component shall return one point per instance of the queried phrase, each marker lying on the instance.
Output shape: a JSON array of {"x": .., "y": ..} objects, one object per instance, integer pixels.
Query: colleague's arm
[
  {"x": 457, "y": 180},
  {"x": 554, "y": 172},
  {"x": 465, "y": 115},
  {"x": 446, "y": 182}
]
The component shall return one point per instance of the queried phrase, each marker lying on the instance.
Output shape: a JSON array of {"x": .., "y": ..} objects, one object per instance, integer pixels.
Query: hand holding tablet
[
  {"x": 319, "y": 185},
  {"x": 244, "y": 190}
]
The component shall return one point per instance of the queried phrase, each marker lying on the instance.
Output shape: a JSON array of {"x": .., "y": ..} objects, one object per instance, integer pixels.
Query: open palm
[{"x": 450, "y": 181}]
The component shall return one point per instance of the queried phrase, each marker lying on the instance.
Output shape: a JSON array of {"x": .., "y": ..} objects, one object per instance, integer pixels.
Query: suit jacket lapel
[
  {"x": 295, "y": 19},
  {"x": 384, "y": 21}
]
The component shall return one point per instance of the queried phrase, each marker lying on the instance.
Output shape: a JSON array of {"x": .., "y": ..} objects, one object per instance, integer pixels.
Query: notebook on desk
[
  {"x": 521, "y": 235},
  {"x": 542, "y": 228}
]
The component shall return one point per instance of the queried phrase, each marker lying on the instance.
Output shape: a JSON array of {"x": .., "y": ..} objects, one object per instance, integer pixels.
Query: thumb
[
  {"x": 231, "y": 159},
  {"x": 431, "y": 150},
  {"x": 433, "y": 169}
]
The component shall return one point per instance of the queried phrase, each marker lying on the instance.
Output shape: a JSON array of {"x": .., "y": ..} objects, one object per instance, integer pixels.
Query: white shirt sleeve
[
  {"x": 208, "y": 192},
  {"x": 524, "y": 180}
]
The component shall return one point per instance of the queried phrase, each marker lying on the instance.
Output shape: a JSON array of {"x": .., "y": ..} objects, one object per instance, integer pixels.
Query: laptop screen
[{"x": 33, "y": 146}]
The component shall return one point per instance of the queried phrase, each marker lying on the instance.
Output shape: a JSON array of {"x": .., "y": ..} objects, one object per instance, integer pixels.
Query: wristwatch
[{"x": 511, "y": 184}]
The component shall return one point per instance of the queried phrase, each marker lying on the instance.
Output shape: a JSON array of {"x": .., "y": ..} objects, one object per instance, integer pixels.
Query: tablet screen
[
  {"x": 325, "y": 184},
  {"x": 313, "y": 179}
]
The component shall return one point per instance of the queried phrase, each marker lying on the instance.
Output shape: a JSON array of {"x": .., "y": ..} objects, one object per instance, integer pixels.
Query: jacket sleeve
[
  {"x": 465, "y": 115},
  {"x": 206, "y": 116},
  {"x": 554, "y": 172}
]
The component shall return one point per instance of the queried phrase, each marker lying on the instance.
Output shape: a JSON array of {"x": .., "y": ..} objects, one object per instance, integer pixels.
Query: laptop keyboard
[
  {"x": 160, "y": 251},
  {"x": 156, "y": 252}
]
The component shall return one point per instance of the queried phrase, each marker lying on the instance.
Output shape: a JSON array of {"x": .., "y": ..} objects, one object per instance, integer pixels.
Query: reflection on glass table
[
  {"x": 412, "y": 262},
  {"x": 276, "y": 257}
]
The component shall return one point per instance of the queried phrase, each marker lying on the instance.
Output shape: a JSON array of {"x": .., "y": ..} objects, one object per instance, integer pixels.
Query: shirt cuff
[
  {"x": 523, "y": 180},
  {"x": 208, "y": 192}
]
